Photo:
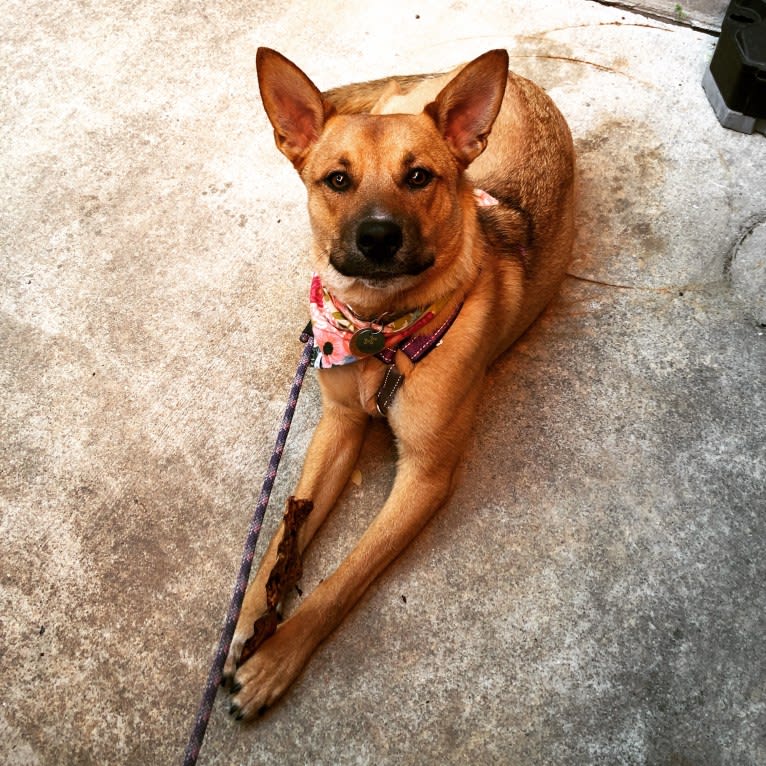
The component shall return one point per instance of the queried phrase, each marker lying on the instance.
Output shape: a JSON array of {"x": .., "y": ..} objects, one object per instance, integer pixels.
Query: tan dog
[{"x": 401, "y": 235}]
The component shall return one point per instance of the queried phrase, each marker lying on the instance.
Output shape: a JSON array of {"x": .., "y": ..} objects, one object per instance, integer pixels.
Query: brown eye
[
  {"x": 417, "y": 178},
  {"x": 338, "y": 181}
]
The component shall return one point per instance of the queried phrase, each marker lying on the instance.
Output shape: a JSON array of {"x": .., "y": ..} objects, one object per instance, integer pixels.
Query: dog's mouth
[{"x": 376, "y": 274}]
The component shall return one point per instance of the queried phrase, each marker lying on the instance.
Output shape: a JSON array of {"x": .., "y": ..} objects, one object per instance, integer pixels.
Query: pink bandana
[
  {"x": 483, "y": 199},
  {"x": 340, "y": 337}
]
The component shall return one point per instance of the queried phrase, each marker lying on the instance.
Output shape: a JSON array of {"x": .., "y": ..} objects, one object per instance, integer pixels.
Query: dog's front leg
[
  {"x": 428, "y": 459},
  {"x": 330, "y": 459}
]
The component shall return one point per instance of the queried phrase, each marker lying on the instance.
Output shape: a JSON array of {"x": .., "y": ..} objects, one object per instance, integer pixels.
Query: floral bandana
[
  {"x": 483, "y": 199},
  {"x": 338, "y": 333}
]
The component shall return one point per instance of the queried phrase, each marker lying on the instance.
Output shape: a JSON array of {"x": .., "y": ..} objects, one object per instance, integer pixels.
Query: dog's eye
[
  {"x": 417, "y": 178},
  {"x": 338, "y": 181}
]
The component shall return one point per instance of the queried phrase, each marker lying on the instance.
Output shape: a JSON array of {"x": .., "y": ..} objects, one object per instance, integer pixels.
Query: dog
[{"x": 442, "y": 212}]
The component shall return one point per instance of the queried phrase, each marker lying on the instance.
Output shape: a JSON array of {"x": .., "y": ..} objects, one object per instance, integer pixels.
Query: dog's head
[{"x": 389, "y": 206}]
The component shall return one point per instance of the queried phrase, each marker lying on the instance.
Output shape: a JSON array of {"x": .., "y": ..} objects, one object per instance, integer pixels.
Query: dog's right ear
[{"x": 293, "y": 104}]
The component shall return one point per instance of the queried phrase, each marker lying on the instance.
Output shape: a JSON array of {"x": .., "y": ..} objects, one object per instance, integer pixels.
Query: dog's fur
[{"x": 362, "y": 151}]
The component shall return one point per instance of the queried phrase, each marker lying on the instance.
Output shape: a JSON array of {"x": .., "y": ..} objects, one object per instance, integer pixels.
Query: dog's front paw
[{"x": 267, "y": 675}]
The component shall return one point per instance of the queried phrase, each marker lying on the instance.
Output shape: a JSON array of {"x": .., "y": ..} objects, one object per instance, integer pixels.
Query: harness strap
[
  {"x": 387, "y": 391},
  {"x": 415, "y": 349}
]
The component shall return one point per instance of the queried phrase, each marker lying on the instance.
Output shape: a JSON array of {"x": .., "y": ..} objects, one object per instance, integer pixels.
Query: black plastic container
[{"x": 735, "y": 82}]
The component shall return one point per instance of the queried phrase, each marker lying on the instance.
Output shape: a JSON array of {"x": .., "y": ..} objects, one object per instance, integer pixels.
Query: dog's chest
[
  {"x": 370, "y": 374},
  {"x": 355, "y": 385}
]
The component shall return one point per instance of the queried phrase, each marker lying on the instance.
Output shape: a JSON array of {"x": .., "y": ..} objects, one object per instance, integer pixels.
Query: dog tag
[{"x": 366, "y": 342}]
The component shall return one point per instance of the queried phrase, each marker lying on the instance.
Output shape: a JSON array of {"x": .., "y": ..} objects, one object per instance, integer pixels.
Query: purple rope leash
[{"x": 230, "y": 623}]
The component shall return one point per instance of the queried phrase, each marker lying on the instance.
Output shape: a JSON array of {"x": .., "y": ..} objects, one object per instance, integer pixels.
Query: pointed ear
[
  {"x": 467, "y": 106},
  {"x": 293, "y": 104}
]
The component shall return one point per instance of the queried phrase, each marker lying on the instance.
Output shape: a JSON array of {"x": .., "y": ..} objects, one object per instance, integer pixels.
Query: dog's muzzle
[{"x": 378, "y": 248}]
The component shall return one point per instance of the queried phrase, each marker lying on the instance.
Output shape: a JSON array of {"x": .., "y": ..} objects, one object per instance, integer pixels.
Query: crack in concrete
[{"x": 746, "y": 231}]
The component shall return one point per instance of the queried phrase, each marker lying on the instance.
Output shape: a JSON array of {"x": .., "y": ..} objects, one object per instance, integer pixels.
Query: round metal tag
[{"x": 366, "y": 342}]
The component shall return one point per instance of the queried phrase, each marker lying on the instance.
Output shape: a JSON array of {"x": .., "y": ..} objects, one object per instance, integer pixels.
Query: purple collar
[{"x": 417, "y": 346}]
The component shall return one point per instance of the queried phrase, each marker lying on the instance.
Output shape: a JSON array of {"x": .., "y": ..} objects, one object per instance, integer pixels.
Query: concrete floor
[{"x": 593, "y": 594}]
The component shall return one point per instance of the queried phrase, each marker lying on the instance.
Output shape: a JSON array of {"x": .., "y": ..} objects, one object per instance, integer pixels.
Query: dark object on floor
[
  {"x": 287, "y": 570},
  {"x": 735, "y": 83}
]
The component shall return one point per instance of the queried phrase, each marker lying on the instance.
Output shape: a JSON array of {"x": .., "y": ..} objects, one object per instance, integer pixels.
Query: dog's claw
[
  {"x": 235, "y": 687},
  {"x": 235, "y": 711},
  {"x": 227, "y": 681},
  {"x": 262, "y": 711}
]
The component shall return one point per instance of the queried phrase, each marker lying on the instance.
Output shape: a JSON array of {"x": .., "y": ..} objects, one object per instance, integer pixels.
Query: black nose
[{"x": 378, "y": 238}]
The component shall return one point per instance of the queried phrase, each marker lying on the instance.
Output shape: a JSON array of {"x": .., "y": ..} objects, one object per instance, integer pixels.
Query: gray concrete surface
[{"x": 593, "y": 594}]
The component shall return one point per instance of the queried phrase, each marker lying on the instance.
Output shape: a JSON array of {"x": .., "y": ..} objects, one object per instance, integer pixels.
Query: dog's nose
[{"x": 379, "y": 238}]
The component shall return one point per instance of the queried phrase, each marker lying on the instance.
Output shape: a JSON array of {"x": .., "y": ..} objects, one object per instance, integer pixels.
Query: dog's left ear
[{"x": 467, "y": 106}]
